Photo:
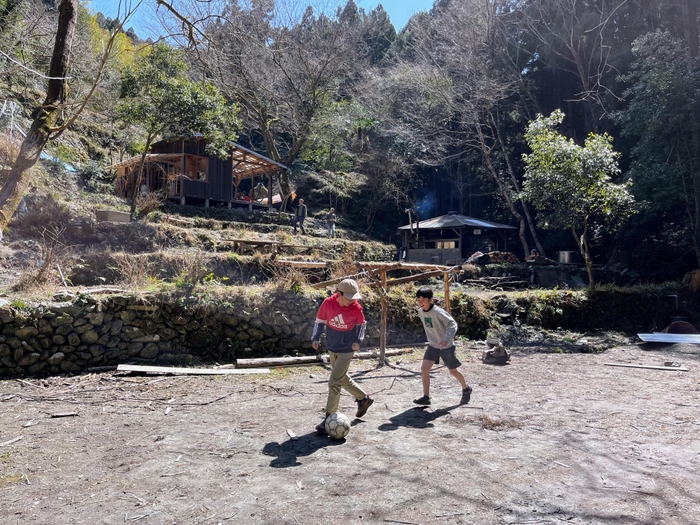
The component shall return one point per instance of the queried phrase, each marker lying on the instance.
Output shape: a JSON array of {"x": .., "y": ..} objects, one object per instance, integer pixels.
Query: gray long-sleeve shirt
[{"x": 439, "y": 326}]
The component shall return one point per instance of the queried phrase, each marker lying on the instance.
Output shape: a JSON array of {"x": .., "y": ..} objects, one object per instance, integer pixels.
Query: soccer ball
[{"x": 337, "y": 425}]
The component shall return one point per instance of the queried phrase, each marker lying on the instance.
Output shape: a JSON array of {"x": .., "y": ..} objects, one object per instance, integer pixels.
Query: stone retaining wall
[{"x": 86, "y": 332}]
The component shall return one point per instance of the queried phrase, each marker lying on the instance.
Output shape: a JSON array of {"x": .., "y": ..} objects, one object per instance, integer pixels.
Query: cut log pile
[
  {"x": 538, "y": 259},
  {"x": 509, "y": 282}
]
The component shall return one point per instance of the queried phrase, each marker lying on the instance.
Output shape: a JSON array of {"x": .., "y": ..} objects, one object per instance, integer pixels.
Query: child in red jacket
[{"x": 344, "y": 320}]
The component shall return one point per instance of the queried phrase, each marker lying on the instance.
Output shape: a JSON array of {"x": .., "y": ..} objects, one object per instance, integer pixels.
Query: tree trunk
[
  {"x": 485, "y": 151},
  {"x": 582, "y": 243},
  {"x": 690, "y": 16},
  {"x": 516, "y": 185},
  {"x": 49, "y": 112},
  {"x": 136, "y": 179}
]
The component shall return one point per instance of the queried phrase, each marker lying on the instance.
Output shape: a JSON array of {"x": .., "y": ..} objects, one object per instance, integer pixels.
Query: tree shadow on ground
[
  {"x": 416, "y": 417},
  {"x": 287, "y": 453}
]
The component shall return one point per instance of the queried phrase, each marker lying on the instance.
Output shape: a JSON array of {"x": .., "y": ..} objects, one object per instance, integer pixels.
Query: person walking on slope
[
  {"x": 300, "y": 216},
  {"x": 344, "y": 320},
  {"x": 440, "y": 329},
  {"x": 330, "y": 222}
]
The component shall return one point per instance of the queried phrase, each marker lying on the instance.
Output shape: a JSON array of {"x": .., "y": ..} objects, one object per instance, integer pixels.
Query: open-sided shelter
[
  {"x": 188, "y": 174},
  {"x": 451, "y": 239}
]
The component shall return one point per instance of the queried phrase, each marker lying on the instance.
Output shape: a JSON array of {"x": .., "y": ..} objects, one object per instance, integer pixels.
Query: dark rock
[
  {"x": 64, "y": 330},
  {"x": 150, "y": 351},
  {"x": 84, "y": 329},
  {"x": 97, "y": 350},
  {"x": 70, "y": 366},
  {"x": 61, "y": 320},
  {"x": 116, "y": 327},
  {"x": 29, "y": 359},
  {"x": 90, "y": 337},
  {"x": 57, "y": 358}
]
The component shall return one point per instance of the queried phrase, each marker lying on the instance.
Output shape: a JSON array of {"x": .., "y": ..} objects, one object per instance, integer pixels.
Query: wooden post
[
  {"x": 382, "y": 327},
  {"x": 446, "y": 278},
  {"x": 269, "y": 191}
]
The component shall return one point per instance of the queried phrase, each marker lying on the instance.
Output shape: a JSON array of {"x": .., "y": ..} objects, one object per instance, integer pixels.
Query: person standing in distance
[
  {"x": 342, "y": 317},
  {"x": 300, "y": 216},
  {"x": 330, "y": 222},
  {"x": 440, "y": 329}
]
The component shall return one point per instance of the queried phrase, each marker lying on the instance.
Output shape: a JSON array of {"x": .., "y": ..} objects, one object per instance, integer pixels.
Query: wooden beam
[
  {"x": 411, "y": 278},
  {"x": 446, "y": 283},
  {"x": 254, "y": 241},
  {"x": 189, "y": 371},
  {"x": 382, "y": 328},
  {"x": 304, "y": 264},
  {"x": 273, "y": 362},
  {"x": 390, "y": 266},
  {"x": 376, "y": 266},
  {"x": 336, "y": 281}
]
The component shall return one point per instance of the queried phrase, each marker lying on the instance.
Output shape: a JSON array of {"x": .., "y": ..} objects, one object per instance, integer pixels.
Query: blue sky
[{"x": 399, "y": 11}]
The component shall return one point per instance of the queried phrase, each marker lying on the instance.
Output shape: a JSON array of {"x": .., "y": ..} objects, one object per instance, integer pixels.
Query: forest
[{"x": 577, "y": 121}]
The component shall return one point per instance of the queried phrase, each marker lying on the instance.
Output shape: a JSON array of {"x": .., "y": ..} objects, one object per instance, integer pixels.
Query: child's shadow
[
  {"x": 287, "y": 453},
  {"x": 416, "y": 417}
]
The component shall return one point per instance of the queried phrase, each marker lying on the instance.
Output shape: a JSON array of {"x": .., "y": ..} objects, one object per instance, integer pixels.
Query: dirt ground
[{"x": 550, "y": 438}]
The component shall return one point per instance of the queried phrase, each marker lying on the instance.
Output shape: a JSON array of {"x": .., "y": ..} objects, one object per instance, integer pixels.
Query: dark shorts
[{"x": 448, "y": 356}]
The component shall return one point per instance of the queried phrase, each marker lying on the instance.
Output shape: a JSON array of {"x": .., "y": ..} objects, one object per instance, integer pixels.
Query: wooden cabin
[
  {"x": 451, "y": 239},
  {"x": 189, "y": 175}
]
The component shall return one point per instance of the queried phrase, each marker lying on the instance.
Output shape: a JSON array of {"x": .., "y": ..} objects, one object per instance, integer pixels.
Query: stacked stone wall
[{"x": 86, "y": 333}]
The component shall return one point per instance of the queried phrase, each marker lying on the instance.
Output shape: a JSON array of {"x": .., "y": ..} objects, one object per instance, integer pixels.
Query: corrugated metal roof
[{"x": 453, "y": 220}]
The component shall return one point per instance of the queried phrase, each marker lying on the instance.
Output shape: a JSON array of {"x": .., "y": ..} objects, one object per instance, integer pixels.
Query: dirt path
[{"x": 550, "y": 438}]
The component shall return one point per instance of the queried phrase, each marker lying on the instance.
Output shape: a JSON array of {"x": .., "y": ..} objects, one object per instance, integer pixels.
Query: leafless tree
[
  {"x": 280, "y": 60},
  {"x": 575, "y": 36},
  {"x": 448, "y": 96}
]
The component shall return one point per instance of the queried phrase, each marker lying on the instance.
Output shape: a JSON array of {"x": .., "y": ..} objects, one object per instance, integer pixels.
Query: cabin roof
[
  {"x": 246, "y": 163},
  {"x": 455, "y": 220}
]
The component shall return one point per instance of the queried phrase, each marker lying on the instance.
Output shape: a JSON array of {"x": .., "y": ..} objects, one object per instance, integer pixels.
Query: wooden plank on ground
[
  {"x": 190, "y": 371},
  {"x": 255, "y": 242},
  {"x": 649, "y": 367},
  {"x": 661, "y": 337},
  {"x": 11, "y": 441}
]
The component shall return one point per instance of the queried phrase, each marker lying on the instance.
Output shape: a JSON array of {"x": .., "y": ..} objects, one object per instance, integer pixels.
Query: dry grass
[
  {"x": 345, "y": 267},
  {"x": 9, "y": 149},
  {"x": 489, "y": 423},
  {"x": 45, "y": 271},
  {"x": 134, "y": 270},
  {"x": 191, "y": 268},
  {"x": 149, "y": 202}
]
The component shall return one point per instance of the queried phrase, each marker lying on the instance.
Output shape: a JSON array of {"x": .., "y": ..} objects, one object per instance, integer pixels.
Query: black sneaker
[
  {"x": 425, "y": 400},
  {"x": 321, "y": 427},
  {"x": 363, "y": 405},
  {"x": 466, "y": 395}
]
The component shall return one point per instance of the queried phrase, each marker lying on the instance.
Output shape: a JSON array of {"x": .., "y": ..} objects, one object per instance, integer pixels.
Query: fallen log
[
  {"x": 682, "y": 369},
  {"x": 271, "y": 362}
]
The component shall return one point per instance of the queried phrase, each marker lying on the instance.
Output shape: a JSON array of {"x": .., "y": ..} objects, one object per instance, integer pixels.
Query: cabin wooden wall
[{"x": 220, "y": 187}]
